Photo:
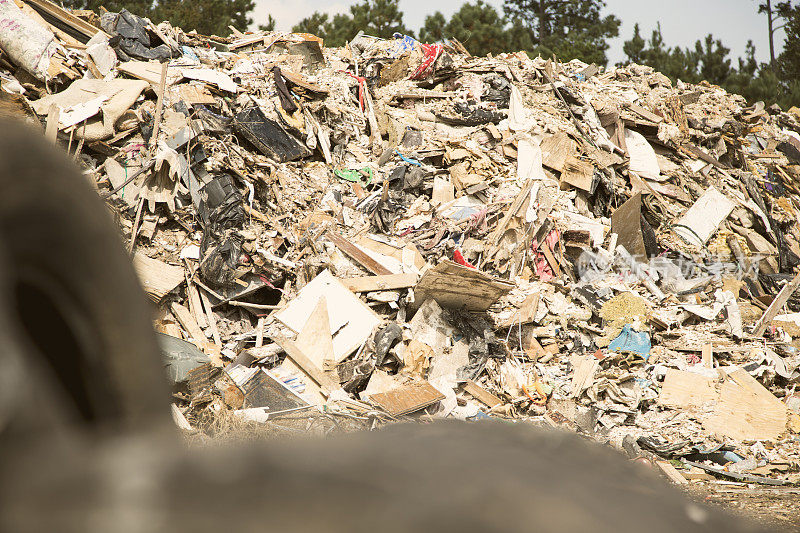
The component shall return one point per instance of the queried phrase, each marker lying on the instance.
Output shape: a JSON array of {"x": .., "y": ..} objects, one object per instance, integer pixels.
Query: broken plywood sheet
[
  {"x": 578, "y": 173},
  {"x": 408, "y": 398},
  {"x": 682, "y": 390},
  {"x": 746, "y": 410},
  {"x": 400, "y": 257},
  {"x": 315, "y": 339},
  {"x": 459, "y": 287},
  {"x": 555, "y": 150},
  {"x": 157, "y": 278},
  {"x": 351, "y": 321},
  {"x": 626, "y": 223},
  {"x": 584, "y": 368},
  {"x": 740, "y": 408}
]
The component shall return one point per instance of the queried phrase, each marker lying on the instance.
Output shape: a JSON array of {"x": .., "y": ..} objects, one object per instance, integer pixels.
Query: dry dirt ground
[{"x": 772, "y": 507}]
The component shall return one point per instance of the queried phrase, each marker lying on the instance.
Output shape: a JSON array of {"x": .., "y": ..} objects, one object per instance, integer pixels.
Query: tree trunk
[
  {"x": 771, "y": 34},
  {"x": 542, "y": 21}
]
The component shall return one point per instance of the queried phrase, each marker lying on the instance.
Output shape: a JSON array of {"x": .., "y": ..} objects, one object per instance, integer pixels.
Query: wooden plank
[
  {"x": 578, "y": 174},
  {"x": 51, "y": 129},
  {"x": 458, "y": 287},
  {"x": 519, "y": 200},
  {"x": 380, "y": 283},
  {"x": 188, "y": 322},
  {"x": 302, "y": 81},
  {"x": 481, "y": 394},
  {"x": 193, "y": 94},
  {"x": 157, "y": 278},
  {"x": 195, "y": 306},
  {"x": 408, "y": 398},
  {"x": 306, "y": 364},
  {"x": 700, "y": 154},
  {"x": 556, "y": 149},
  {"x": 672, "y": 472},
  {"x": 526, "y": 314},
  {"x": 212, "y": 320},
  {"x": 584, "y": 369},
  {"x": 149, "y": 71},
  {"x": 777, "y": 304},
  {"x": 358, "y": 255},
  {"x": 260, "y": 332},
  {"x": 645, "y": 113},
  {"x": 707, "y": 355},
  {"x": 551, "y": 259},
  {"x": 65, "y": 17},
  {"x": 162, "y": 87}
]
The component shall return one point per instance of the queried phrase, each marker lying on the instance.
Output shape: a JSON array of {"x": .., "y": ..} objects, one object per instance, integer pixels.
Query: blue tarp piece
[{"x": 632, "y": 341}]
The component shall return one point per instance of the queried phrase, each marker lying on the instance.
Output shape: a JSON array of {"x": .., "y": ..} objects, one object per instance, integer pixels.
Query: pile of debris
[{"x": 397, "y": 229}]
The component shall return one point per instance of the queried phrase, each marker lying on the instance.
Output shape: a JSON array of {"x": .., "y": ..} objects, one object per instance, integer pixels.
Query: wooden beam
[
  {"x": 481, "y": 394},
  {"x": 188, "y": 322},
  {"x": 358, "y": 255},
  {"x": 776, "y": 305},
  {"x": 307, "y": 365},
  {"x": 380, "y": 283}
]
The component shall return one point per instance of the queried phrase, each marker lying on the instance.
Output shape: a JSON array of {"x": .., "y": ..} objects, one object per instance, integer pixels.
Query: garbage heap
[{"x": 396, "y": 230}]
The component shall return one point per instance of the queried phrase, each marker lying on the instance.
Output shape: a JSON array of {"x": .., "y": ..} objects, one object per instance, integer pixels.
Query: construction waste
[{"x": 400, "y": 230}]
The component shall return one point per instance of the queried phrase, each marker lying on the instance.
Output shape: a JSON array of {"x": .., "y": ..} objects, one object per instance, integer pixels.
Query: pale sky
[{"x": 682, "y": 21}]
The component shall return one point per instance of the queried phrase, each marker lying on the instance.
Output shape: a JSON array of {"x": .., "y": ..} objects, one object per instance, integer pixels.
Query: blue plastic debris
[
  {"x": 404, "y": 42},
  {"x": 637, "y": 342},
  {"x": 408, "y": 160}
]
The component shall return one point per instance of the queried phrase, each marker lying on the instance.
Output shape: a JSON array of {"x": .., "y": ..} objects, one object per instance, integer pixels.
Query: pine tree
[
  {"x": 788, "y": 62},
  {"x": 714, "y": 65},
  {"x": 478, "y": 26},
  {"x": 315, "y": 24},
  {"x": 270, "y": 24},
  {"x": 378, "y": 18},
  {"x": 567, "y": 28},
  {"x": 208, "y": 17},
  {"x": 634, "y": 48},
  {"x": 142, "y": 8},
  {"x": 434, "y": 28}
]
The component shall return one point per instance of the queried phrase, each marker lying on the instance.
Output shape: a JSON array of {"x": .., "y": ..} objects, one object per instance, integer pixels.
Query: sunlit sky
[{"x": 682, "y": 21}]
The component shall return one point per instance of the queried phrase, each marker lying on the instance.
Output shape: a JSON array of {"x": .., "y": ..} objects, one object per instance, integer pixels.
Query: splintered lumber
[
  {"x": 185, "y": 318},
  {"x": 672, "y": 472},
  {"x": 583, "y": 374},
  {"x": 306, "y": 364},
  {"x": 64, "y": 20},
  {"x": 358, "y": 255},
  {"x": 459, "y": 287},
  {"x": 776, "y": 305},
  {"x": 481, "y": 394},
  {"x": 408, "y": 398},
  {"x": 380, "y": 283},
  {"x": 157, "y": 278}
]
